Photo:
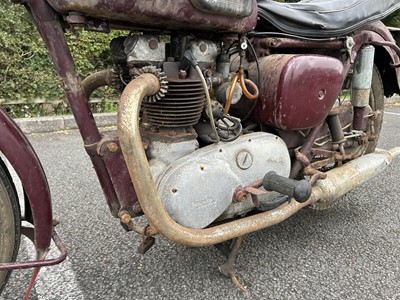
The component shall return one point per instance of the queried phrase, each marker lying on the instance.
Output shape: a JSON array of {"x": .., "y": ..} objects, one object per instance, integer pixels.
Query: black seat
[{"x": 324, "y": 18}]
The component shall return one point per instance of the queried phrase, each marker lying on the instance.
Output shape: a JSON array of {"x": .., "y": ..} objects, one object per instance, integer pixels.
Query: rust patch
[{"x": 165, "y": 14}]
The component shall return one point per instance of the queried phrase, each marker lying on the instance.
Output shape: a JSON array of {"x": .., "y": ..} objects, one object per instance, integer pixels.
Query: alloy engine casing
[{"x": 197, "y": 188}]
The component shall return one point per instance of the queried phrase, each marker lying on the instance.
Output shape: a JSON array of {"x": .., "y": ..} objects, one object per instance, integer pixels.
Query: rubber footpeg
[{"x": 299, "y": 190}]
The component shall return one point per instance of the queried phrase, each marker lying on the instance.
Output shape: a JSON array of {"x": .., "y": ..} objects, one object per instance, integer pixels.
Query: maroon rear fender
[{"x": 20, "y": 153}]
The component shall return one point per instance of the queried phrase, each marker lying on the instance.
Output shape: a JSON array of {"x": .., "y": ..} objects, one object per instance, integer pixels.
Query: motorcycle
[{"x": 233, "y": 116}]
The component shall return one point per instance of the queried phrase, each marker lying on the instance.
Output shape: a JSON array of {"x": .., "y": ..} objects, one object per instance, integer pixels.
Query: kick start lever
[{"x": 299, "y": 190}]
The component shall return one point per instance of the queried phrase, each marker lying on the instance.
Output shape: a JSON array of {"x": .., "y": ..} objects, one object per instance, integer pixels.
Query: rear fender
[
  {"x": 384, "y": 57},
  {"x": 19, "y": 152}
]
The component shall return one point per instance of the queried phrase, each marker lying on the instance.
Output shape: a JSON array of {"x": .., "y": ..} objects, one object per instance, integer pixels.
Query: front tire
[{"x": 10, "y": 223}]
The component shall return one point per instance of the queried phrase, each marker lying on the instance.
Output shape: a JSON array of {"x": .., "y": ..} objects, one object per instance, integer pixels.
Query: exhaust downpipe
[
  {"x": 339, "y": 181},
  {"x": 97, "y": 80}
]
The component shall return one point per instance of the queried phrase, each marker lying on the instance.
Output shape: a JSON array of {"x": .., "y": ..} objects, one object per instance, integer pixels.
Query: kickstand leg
[{"x": 228, "y": 268}]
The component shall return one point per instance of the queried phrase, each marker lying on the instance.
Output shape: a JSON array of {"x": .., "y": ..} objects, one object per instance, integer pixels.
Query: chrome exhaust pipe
[{"x": 339, "y": 181}]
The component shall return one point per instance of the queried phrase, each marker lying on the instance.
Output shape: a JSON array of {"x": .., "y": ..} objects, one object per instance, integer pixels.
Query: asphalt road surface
[{"x": 349, "y": 252}]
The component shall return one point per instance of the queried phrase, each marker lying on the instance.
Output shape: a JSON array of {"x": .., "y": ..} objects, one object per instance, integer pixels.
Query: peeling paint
[{"x": 165, "y": 14}]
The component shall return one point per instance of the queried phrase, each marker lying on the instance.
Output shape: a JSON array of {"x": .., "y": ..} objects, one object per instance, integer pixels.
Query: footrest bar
[{"x": 40, "y": 263}]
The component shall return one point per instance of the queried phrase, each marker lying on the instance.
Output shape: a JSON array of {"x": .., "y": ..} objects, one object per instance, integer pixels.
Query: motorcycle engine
[{"x": 195, "y": 175}]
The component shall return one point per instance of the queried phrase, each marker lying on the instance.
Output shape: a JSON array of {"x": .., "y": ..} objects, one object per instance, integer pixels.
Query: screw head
[
  {"x": 321, "y": 94},
  {"x": 203, "y": 47},
  {"x": 153, "y": 44},
  {"x": 244, "y": 160},
  {"x": 112, "y": 147}
]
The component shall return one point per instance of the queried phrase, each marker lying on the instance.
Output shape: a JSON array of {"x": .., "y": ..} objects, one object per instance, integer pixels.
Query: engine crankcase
[{"x": 198, "y": 188}]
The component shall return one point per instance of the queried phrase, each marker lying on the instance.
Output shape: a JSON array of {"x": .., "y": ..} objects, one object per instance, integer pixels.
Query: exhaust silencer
[
  {"x": 343, "y": 179},
  {"x": 339, "y": 181}
]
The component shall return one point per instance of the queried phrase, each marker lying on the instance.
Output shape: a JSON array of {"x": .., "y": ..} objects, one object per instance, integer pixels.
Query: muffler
[
  {"x": 343, "y": 179},
  {"x": 339, "y": 180}
]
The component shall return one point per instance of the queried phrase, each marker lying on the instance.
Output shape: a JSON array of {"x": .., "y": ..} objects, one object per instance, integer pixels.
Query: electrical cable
[
  {"x": 262, "y": 34},
  {"x": 237, "y": 125},
  {"x": 209, "y": 105}
]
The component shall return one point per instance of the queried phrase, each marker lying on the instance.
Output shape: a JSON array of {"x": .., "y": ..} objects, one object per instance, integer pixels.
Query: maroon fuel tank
[
  {"x": 231, "y": 15},
  {"x": 297, "y": 91}
]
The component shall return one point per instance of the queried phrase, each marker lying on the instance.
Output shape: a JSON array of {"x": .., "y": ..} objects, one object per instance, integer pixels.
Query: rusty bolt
[
  {"x": 125, "y": 217},
  {"x": 76, "y": 19},
  {"x": 150, "y": 231},
  {"x": 112, "y": 147},
  {"x": 239, "y": 195},
  {"x": 273, "y": 42},
  {"x": 242, "y": 198},
  {"x": 137, "y": 209},
  {"x": 208, "y": 73},
  {"x": 182, "y": 74}
]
